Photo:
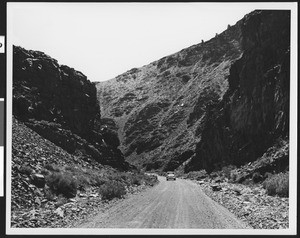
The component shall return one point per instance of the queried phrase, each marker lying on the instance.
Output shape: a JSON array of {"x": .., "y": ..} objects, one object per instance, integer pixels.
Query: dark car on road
[{"x": 170, "y": 176}]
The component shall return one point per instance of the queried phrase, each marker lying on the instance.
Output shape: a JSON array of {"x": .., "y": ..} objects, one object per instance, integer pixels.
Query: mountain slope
[
  {"x": 159, "y": 106},
  {"x": 185, "y": 109}
]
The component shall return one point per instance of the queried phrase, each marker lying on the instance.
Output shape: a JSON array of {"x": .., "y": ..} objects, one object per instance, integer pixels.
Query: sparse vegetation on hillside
[
  {"x": 67, "y": 180},
  {"x": 53, "y": 183},
  {"x": 277, "y": 184}
]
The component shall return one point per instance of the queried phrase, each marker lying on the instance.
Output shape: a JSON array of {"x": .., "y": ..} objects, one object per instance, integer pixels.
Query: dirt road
[{"x": 170, "y": 204}]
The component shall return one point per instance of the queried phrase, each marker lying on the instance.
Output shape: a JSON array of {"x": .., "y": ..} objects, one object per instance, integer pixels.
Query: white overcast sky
[{"x": 103, "y": 40}]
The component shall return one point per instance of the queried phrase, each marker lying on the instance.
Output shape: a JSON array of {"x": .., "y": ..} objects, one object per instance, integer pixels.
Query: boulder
[
  {"x": 38, "y": 180},
  {"x": 218, "y": 180},
  {"x": 216, "y": 187}
]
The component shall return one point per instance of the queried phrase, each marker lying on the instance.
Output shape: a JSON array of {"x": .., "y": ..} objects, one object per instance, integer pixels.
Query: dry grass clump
[{"x": 277, "y": 184}]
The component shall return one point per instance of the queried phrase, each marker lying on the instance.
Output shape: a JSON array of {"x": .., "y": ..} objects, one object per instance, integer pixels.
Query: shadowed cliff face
[
  {"x": 53, "y": 92},
  {"x": 222, "y": 101},
  {"x": 254, "y": 112},
  {"x": 60, "y": 104}
]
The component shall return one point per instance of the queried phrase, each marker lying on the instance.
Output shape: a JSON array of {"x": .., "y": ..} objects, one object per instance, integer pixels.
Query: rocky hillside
[
  {"x": 66, "y": 164},
  {"x": 60, "y": 104},
  {"x": 218, "y": 102},
  {"x": 52, "y": 188}
]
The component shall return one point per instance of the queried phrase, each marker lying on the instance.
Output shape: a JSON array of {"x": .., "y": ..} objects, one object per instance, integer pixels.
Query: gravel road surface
[{"x": 170, "y": 204}]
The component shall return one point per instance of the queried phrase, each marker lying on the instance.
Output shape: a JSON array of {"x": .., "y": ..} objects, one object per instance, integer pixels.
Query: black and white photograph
[{"x": 151, "y": 118}]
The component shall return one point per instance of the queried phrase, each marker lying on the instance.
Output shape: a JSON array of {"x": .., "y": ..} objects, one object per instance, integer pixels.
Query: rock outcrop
[
  {"x": 61, "y": 104},
  {"x": 254, "y": 112},
  {"x": 218, "y": 102}
]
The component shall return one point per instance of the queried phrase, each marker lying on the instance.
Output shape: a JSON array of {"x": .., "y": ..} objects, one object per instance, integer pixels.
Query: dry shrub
[
  {"x": 82, "y": 181},
  {"x": 112, "y": 189},
  {"x": 138, "y": 179},
  {"x": 99, "y": 180},
  {"x": 62, "y": 183},
  {"x": 151, "y": 179},
  {"x": 277, "y": 184}
]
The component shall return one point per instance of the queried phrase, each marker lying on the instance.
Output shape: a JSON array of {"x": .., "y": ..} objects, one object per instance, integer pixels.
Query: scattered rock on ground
[{"x": 251, "y": 204}]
